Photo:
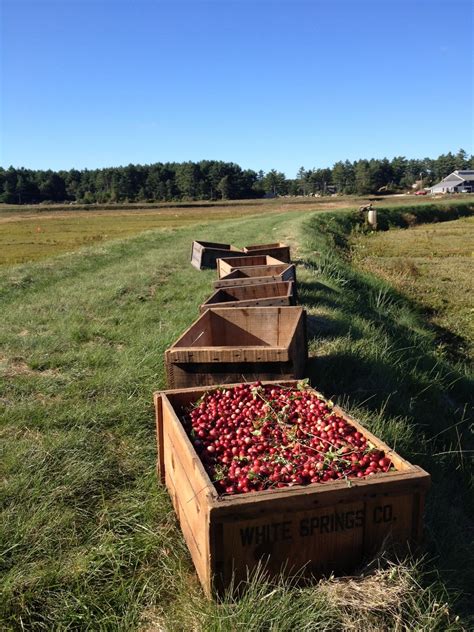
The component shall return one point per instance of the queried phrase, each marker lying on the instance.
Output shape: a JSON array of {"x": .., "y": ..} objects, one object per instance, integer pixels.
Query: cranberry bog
[{"x": 314, "y": 529}]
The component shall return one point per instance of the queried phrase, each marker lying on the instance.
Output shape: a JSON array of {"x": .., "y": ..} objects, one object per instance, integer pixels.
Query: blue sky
[{"x": 263, "y": 83}]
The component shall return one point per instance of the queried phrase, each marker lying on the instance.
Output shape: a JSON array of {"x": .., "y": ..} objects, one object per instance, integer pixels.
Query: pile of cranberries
[{"x": 253, "y": 437}]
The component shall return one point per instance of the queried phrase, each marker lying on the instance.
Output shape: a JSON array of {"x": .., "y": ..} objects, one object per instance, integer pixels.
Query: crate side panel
[
  {"x": 238, "y": 328},
  {"x": 299, "y": 348},
  {"x": 233, "y": 280},
  {"x": 334, "y": 538},
  {"x": 200, "y": 332},
  {"x": 225, "y": 265},
  {"x": 190, "y": 503},
  {"x": 273, "y": 326},
  {"x": 278, "y": 251},
  {"x": 281, "y": 253},
  {"x": 289, "y": 274},
  {"x": 213, "y": 244},
  {"x": 255, "y": 275},
  {"x": 275, "y": 301},
  {"x": 201, "y": 562},
  {"x": 176, "y": 442},
  {"x": 253, "y": 247},
  {"x": 271, "y": 264},
  {"x": 317, "y": 539},
  {"x": 213, "y": 374},
  {"x": 160, "y": 462},
  {"x": 205, "y": 253},
  {"x": 221, "y": 355},
  {"x": 389, "y": 518},
  {"x": 258, "y": 291},
  {"x": 196, "y": 255}
]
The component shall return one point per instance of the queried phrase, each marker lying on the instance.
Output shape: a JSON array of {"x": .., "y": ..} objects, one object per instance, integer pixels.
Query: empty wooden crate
[
  {"x": 257, "y": 275},
  {"x": 279, "y": 293},
  {"x": 204, "y": 254},
  {"x": 320, "y": 528},
  {"x": 278, "y": 250},
  {"x": 228, "y": 265},
  {"x": 239, "y": 343}
]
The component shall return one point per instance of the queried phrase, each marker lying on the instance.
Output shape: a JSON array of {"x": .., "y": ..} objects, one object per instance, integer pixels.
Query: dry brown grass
[
  {"x": 434, "y": 265},
  {"x": 380, "y": 601}
]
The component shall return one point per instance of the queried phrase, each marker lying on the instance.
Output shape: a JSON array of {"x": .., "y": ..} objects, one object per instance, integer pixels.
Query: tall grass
[{"x": 373, "y": 350}]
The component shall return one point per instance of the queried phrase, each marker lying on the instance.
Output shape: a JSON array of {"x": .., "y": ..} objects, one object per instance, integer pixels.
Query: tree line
[{"x": 217, "y": 180}]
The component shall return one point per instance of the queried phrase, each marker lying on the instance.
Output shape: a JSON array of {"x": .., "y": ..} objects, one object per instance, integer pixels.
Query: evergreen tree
[
  {"x": 212, "y": 179},
  {"x": 274, "y": 182},
  {"x": 363, "y": 178}
]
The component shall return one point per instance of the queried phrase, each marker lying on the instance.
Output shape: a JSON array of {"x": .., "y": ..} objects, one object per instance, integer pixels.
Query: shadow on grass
[
  {"x": 330, "y": 327},
  {"x": 379, "y": 355}
]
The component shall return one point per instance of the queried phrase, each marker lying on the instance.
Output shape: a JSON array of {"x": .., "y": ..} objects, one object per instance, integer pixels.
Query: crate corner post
[{"x": 160, "y": 464}]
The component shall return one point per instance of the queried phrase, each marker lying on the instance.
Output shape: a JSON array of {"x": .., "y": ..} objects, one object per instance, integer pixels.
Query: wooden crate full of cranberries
[{"x": 273, "y": 472}]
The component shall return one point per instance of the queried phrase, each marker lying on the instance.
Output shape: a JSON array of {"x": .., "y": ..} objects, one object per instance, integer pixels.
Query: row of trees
[
  {"x": 213, "y": 180},
  {"x": 363, "y": 177}
]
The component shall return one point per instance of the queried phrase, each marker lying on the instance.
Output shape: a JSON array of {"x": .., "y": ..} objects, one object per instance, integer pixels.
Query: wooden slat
[
  {"x": 228, "y": 265},
  {"x": 279, "y": 293},
  {"x": 174, "y": 432},
  {"x": 204, "y": 254},
  {"x": 278, "y": 250},
  {"x": 159, "y": 436},
  {"x": 257, "y": 275}
]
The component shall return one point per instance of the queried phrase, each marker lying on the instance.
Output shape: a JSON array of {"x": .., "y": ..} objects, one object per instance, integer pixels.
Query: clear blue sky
[{"x": 264, "y": 83}]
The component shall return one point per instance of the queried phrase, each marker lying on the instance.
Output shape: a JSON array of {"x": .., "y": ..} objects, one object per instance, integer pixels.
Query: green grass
[
  {"x": 434, "y": 265},
  {"x": 89, "y": 537}
]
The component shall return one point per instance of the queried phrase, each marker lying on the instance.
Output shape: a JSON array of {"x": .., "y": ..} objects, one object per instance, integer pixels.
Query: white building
[{"x": 456, "y": 182}]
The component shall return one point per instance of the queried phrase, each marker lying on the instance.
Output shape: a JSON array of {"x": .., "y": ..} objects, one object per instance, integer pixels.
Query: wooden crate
[
  {"x": 204, "y": 254},
  {"x": 279, "y": 293},
  {"x": 323, "y": 527},
  {"x": 278, "y": 250},
  {"x": 228, "y": 265},
  {"x": 256, "y": 275},
  {"x": 239, "y": 343}
]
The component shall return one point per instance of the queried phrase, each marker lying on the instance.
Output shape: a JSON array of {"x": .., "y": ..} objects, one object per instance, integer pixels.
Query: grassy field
[
  {"x": 30, "y": 233},
  {"x": 434, "y": 265},
  {"x": 88, "y": 535}
]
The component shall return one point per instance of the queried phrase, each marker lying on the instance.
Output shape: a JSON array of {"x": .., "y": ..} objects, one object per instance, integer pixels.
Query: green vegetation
[
  {"x": 434, "y": 265},
  {"x": 216, "y": 180},
  {"x": 89, "y": 537},
  {"x": 38, "y": 235},
  {"x": 30, "y": 233}
]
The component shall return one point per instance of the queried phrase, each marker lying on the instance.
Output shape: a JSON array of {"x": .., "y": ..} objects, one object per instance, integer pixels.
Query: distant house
[{"x": 456, "y": 182}]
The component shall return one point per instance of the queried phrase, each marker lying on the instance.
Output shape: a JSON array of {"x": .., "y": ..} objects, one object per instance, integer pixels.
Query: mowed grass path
[
  {"x": 89, "y": 538},
  {"x": 86, "y": 528}
]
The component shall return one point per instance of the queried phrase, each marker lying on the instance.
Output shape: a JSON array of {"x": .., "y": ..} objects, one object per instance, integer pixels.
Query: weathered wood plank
[{"x": 227, "y": 344}]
